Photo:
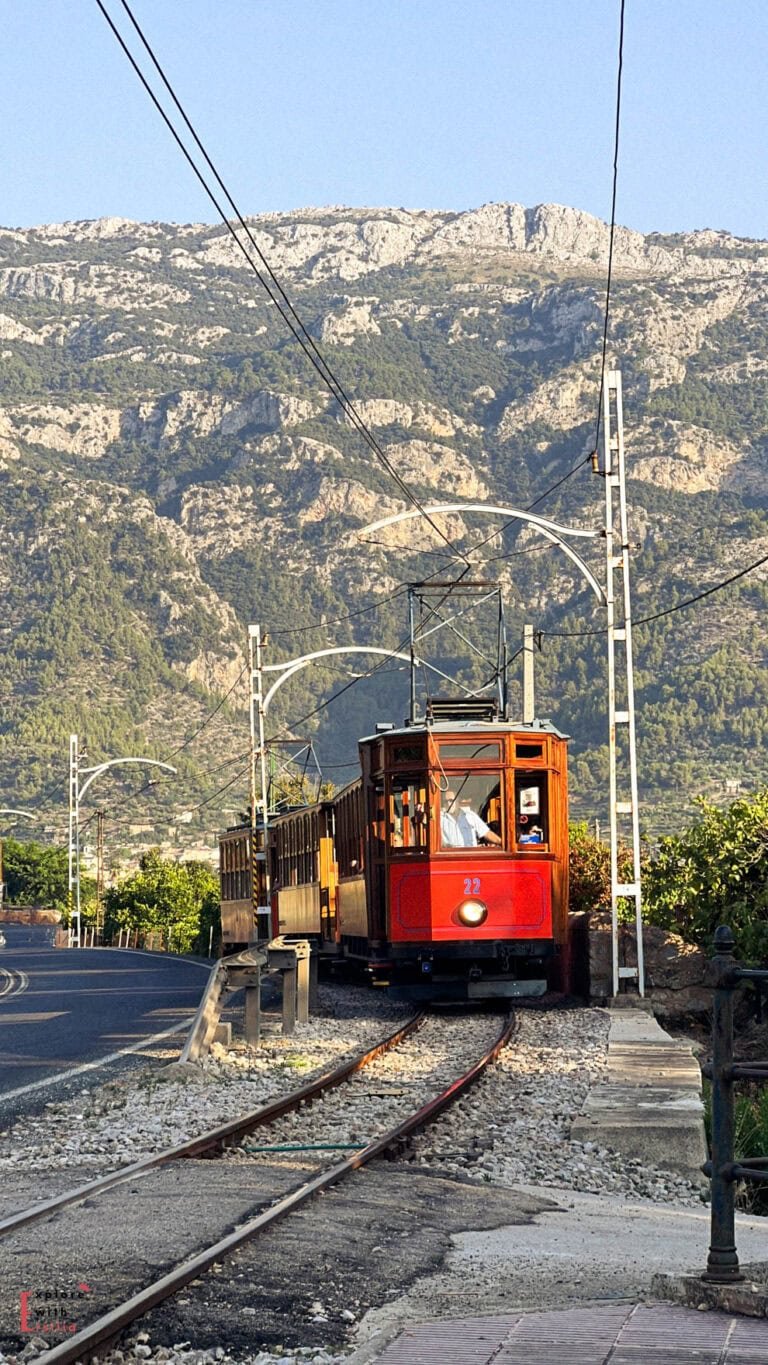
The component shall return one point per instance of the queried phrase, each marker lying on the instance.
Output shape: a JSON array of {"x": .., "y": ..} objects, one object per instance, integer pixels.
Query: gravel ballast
[
  {"x": 514, "y": 1126},
  {"x": 115, "y": 1124}
]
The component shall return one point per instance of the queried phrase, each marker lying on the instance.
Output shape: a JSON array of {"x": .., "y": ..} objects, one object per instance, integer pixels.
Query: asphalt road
[{"x": 60, "y": 1008}]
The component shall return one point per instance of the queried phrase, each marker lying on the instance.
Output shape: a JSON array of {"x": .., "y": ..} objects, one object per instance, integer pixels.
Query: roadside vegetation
[
  {"x": 178, "y": 901},
  {"x": 37, "y": 874},
  {"x": 173, "y": 905},
  {"x": 715, "y": 872}
]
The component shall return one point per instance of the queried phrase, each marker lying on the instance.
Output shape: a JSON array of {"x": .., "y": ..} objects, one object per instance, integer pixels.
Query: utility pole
[
  {"x": 529, "y": 695},
  {"x": 258, "y": 762},
  {"x": 73, "y": 868},
  {"x": 99, "y": 874},
  {"x": 254, "y": 828}
]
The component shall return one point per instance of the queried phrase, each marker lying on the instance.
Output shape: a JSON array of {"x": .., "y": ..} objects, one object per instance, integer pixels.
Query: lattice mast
[
  {"x": 258, "y": 777},
  {"x": 622, "y": 748}
]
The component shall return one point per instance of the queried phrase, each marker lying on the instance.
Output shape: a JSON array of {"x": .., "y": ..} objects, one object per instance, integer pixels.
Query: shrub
[{"x": 716, "y": 872}]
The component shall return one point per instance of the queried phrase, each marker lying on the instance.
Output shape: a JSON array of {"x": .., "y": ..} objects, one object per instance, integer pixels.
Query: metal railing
[{"x": 724, "y": 1170}]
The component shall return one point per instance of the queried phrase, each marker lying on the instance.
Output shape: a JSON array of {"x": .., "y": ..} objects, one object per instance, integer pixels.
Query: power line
[
  {"x": 668, "y": 611},
  {"x": 362, "y": 611},
  {"x": 499, "y": 531},
  {"x": 609, "y": 280},
  {"x": 153, "y": 782},
  {"x": 274, "y": 290},
  {"x": 613, "y": 227},
  {"x": 226, "y": 787},
  {"x": 210, "y": 717},
  {"x": 377, "y": 668}
]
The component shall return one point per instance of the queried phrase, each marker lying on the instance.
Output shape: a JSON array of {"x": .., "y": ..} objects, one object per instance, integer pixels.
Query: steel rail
[
  {"x": 106, "y": 1328},
  {"x": 215, "y": 1138}
]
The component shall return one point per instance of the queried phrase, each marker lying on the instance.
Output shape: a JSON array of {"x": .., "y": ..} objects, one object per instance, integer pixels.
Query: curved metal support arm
[
  {"x": 8, "y": 810},
  {"x": 579, "y": 562},
  {"x": 493, "y": 511},
  {"x": 550, "y": 529},
  {"x": 291, "y": 666},
  {"x": 113, "y": 762}
]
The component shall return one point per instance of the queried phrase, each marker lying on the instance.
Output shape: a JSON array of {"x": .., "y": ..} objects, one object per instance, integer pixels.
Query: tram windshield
[{"x": 471, "y": 810}]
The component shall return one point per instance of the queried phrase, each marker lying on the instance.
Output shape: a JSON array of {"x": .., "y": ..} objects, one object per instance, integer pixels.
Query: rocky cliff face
[{"x": 173, "y": 469}]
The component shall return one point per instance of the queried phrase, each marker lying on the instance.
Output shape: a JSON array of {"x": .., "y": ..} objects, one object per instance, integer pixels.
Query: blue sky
[{"x": 414, "y": 103}]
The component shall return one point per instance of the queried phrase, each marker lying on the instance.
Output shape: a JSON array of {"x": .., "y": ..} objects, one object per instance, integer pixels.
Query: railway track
[{"x": 426, "y": 1053}]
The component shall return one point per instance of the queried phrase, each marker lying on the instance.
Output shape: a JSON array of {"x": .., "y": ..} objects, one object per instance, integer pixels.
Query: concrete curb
[{"x": 649, "y": 1107}]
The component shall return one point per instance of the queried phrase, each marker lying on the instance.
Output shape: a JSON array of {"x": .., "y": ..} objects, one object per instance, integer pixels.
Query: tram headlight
[{"x": 473, "y": 913}]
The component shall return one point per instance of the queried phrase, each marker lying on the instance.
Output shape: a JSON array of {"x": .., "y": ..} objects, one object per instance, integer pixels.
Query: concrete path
[{"x": 650, "y": 1104}]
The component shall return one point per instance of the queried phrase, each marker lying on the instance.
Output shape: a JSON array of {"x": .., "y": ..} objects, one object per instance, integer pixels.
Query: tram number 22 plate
[{"x": 471, "y": 886}]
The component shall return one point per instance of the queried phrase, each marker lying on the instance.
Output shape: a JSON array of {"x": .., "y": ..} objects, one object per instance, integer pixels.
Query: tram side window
[
  {"x": 471, "y": 811},
  {"x": 531, "y": 809},
  {"x": 378, "y": 819},
  {"x": 407, "y": 823}
]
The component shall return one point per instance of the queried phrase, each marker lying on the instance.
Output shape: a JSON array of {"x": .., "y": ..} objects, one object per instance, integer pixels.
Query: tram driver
[{"x": 461, "y": 826}]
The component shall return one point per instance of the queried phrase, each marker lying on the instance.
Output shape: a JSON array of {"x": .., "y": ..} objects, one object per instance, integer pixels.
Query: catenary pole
[{"x": 76, "y": 794}]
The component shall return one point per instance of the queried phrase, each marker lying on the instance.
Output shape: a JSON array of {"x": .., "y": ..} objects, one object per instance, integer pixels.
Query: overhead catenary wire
[
  {"x": 585, "y": 460},
  {"x": 400, "y": 591},
  {"x": 291, "y": 317},
  {"x": 612, "y": 234},
  {"x": 377, "y": 668},
  {"x": 266, "y": 276},
  {"x": 299, "y": 331},
  {"x": 154, "y": 782},
  {"x": 210, "y": 716},
  {"x": 667, "y": 611},
  {"x": 680, "y": 606},
  {"x": 237, "y": 777},
  {"x": 338, "y": 620}
]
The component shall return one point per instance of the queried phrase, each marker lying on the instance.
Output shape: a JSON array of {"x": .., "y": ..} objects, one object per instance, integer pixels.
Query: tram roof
[{"x": 469, "y": 727}]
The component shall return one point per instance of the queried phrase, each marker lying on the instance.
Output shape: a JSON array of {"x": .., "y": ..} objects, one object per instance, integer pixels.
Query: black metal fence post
[{"x": 723, "y": 1261}]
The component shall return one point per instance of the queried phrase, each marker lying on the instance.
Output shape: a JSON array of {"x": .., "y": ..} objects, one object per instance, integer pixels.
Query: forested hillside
[{"x": 171, "y": 470}]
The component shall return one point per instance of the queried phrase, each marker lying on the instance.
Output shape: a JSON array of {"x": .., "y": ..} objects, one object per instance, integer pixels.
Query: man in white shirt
[{"x": 463, "y": 827}]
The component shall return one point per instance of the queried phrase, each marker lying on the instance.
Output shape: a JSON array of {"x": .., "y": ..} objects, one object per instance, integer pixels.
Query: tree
[
  {"x": 178, "y": 900},
  {"x": 716, "y": 872},
  {"x": 37, "y": 874}
]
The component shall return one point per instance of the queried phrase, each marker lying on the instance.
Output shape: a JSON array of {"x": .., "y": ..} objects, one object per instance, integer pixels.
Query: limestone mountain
[{"x": 172, "y": 469}]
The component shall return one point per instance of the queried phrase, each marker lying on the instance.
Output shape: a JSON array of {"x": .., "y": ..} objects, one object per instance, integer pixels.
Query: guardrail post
[
  {"x": 289, "y": 975},
  {"x": 253, "y": 1009},
  {"x": 723, "y": 1261},
  {"x": 302, "y": 988}
]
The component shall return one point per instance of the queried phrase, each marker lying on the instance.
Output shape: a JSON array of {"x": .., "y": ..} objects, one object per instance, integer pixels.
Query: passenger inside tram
[{"x": 460, "y": 824}]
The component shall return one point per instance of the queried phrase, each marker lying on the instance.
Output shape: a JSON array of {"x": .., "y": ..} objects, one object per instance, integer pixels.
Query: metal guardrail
[
  {"x": 290, "y": 959},
  {"x": 723, "y": 1169}
]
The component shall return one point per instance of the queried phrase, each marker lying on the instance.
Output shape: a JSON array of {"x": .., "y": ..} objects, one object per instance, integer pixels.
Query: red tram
[{"x": 443, "y": 869}]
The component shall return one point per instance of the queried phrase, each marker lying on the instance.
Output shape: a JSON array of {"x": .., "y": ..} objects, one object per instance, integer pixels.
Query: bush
[
  {"x": 37, "y": 874},
  {"x": 714, "y": 873},
  {"x": 590, "y": 872},
  {"x": 178, "y": 900}
]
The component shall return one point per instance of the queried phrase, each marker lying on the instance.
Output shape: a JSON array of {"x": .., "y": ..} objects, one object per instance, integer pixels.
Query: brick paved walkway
[{"x": 614, "y": 1335}]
